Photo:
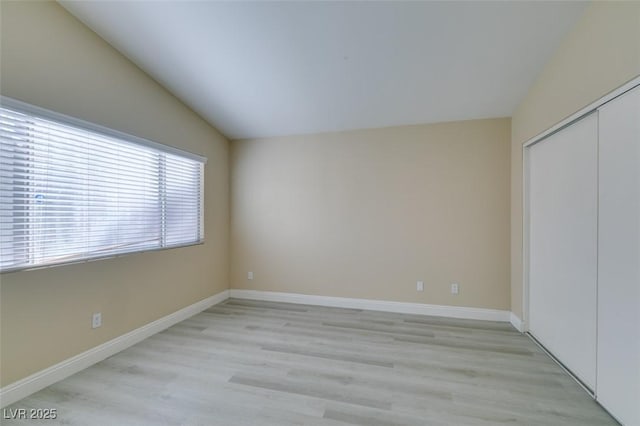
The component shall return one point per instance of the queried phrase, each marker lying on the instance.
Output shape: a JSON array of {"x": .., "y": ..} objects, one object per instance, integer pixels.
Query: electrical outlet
[
  {"x": 455, "y": 288},
  {"x": 419, "y": 286},
  {"x": 96, "y": 320},
  {"x": 249, "y": 275}
]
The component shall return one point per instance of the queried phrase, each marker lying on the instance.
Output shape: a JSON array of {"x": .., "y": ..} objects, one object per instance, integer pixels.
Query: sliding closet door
[
  {"x": 563, "y": 182},
  {"x": 619, "y": 258}
]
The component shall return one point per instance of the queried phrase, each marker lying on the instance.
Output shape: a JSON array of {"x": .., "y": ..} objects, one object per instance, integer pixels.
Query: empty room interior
[{"x": 320, "y": 213}]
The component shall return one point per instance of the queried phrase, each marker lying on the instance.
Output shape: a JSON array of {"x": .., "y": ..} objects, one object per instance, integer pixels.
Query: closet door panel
[
  {"x": 618, "y": 386},
  {"x": 563, "y": 204}
]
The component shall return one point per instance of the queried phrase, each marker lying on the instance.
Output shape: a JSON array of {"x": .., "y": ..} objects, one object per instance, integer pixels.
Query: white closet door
[
  {"x": 563, "y": 182},
  {"x": 619, "y": 258}
]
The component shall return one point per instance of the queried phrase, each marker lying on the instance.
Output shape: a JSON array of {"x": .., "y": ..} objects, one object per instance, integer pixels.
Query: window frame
[{"x": 66, "y": 120}]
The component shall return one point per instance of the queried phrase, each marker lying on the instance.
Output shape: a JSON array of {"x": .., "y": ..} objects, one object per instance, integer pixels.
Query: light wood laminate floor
[{"x": 257, "y": 363}]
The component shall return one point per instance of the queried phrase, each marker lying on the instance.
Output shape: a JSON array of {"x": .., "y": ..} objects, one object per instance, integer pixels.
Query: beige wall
[
  {"x": 51, "y": 60},
  {"x": 600, "y": 54},
  {"x": 367, "y": 213}
]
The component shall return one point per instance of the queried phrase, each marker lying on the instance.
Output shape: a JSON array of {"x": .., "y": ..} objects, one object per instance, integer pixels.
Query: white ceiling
[{"x": 258, "y": 69}]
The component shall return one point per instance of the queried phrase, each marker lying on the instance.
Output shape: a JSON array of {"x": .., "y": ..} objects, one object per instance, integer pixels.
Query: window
[{"x": 71, "y": 191}]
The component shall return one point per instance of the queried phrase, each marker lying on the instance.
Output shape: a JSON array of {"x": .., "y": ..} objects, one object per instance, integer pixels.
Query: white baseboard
[
  {"x": 375, "y": 305},
  {"x": 516, "y": 322},
  {"x": 40, "y": 380}
]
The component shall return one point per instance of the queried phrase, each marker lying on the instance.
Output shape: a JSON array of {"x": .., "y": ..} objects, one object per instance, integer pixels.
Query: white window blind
[{"x": 69, "y": 193}]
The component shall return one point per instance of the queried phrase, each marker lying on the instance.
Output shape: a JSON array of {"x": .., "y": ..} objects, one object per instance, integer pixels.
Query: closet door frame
[{"x": 526, "y": 193}]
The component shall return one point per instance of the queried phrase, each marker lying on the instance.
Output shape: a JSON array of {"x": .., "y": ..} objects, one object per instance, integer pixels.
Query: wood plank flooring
[{"x": 258, "y": 363}]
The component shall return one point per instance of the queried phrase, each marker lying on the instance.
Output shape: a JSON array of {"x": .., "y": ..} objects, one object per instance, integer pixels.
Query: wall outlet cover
[{"x": 96, "y": 320}]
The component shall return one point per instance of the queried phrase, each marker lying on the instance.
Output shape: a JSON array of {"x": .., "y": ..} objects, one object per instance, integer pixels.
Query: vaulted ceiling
[{"x": 259, "y": 69}]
